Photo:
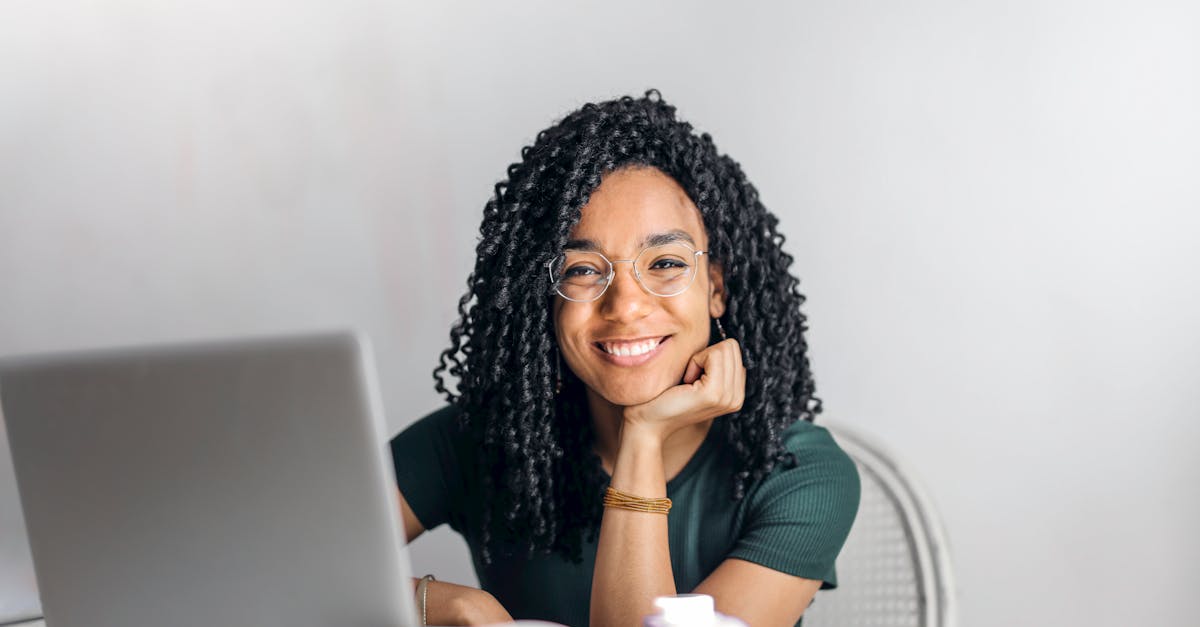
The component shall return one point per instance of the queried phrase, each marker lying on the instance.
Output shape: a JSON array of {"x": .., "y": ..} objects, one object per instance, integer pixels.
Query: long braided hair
[{"x": 542, "y": 480}]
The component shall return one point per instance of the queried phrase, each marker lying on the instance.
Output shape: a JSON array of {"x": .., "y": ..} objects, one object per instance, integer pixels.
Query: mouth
[{"x": 633, "y": 353}]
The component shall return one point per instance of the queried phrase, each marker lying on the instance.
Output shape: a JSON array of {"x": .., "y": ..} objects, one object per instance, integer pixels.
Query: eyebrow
[{"x": 654, "y": 239}]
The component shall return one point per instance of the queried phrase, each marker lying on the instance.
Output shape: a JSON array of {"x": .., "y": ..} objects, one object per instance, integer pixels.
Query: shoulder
[
  {"x": 440, "y": 423},
  {"x": 813, "y": 446},
  {"x": 797, "y": 517},
  {"x": 819, "y": 476},
  {"x": 433, "y": 440},
  {"x": 444, "y": 416},
  {"x": 435, "y": 468}
]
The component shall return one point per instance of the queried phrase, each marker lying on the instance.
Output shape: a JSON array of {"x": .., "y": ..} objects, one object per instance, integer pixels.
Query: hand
[
  {"x": 714, "y": 384},
  {"x": 452, "y": 604}
]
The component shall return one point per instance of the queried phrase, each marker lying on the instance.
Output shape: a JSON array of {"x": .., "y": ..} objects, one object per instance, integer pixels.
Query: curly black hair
[{"x": 542, "y": 480}]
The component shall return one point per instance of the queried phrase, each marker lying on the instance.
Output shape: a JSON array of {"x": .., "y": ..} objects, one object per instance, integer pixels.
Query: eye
[
  {"x": 578, "y": 271},
  {"x": 667, "y": 264}
]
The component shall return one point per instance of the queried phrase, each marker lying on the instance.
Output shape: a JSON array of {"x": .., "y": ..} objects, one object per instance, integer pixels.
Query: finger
[
  {"x": 731, "y": 367},
  {"x": 693, "y": 371},
  {"x": 733, "y": 376},
  {"x": 697, "y": 365},
  {"x": 737, "y": 353},
  {"x": 739, "y": 381},
  {"x": 718, "y": 367},
  {"x": 730, "y": 374}
]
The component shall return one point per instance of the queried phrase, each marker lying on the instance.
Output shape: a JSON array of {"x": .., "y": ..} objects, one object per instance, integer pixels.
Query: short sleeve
[
  {"x": 798, "y": 518},
  {"x": 429, "y": 459}
]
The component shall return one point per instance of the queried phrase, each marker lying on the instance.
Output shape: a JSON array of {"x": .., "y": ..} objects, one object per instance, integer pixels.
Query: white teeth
[{"x": 626, "y": 350}]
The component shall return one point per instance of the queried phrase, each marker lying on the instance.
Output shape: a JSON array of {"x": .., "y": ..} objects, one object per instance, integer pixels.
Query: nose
[{"x": 625, "y": 299}]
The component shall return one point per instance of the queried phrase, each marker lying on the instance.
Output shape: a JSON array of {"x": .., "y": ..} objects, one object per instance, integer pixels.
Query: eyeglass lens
[{"x": 663, "y": 270}]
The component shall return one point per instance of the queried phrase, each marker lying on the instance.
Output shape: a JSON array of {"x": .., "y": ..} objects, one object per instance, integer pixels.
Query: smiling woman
[{"x": 634, "y": 405}]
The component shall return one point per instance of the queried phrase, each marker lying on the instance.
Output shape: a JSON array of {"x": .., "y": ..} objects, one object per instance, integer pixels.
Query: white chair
[{"x": 894, "y": 569}]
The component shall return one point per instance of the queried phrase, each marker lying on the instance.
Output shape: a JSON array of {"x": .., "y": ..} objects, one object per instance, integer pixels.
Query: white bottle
[{"x": 688, "y": 610}]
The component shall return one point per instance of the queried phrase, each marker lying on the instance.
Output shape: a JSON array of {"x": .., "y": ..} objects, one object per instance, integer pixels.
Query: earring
[
  {"x": 558, "y": 372},
  {"x": 720, "y": 329}
]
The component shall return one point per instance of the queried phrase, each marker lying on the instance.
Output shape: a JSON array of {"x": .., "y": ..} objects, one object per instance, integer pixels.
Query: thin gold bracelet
[
  {"x": 422, "y": 592},
  {"x": 624, "y": 500}
]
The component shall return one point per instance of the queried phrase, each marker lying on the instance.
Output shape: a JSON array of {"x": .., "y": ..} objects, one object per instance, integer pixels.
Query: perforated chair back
[{"x": 894, "y": 570}]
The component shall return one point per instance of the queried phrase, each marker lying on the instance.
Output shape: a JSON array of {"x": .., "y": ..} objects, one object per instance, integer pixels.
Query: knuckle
[{"x": 714, "y": 395}]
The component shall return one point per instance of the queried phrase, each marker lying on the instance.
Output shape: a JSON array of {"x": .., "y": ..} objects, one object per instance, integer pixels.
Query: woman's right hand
[
  {"x": 451, "y": 604},
  {"x": 447, "y": 603},
  {"x": 714, "y": 384}
]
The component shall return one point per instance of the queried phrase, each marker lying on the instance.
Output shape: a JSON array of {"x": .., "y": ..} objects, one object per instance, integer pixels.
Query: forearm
[
  {"x": 633, "y": 558},
  {"x": 451, "y": 604}
]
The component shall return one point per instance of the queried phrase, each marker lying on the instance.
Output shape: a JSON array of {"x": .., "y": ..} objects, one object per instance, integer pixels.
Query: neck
[{"x": 608, "y": 420}]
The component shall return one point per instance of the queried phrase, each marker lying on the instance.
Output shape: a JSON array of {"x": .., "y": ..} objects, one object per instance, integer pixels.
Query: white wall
[{"x": 994, "y": 209}]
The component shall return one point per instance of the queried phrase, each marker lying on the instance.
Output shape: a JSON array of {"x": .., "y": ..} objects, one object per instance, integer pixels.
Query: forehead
[{"x": 631, "y": 205}]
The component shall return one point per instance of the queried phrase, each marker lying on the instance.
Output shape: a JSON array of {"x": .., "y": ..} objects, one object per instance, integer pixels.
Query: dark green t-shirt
[{"x": 794, "y": 520}]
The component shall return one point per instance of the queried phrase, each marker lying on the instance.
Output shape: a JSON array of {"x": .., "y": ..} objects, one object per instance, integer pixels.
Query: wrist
[
  {"x": 422, "y": 593},
  {"x": 638, "y": 468},
  {"x": 637, "y": 433}
]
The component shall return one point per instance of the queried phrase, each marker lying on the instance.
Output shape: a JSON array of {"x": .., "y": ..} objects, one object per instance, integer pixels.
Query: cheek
[
  {"x": 568, "y": 326},
  {"x": 695, "y": 319}
]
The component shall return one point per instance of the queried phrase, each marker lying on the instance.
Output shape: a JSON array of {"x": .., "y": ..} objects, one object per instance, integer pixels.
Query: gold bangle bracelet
[
  {"x": 624, "y": 500},
  {"x": 422, "y": 593}
]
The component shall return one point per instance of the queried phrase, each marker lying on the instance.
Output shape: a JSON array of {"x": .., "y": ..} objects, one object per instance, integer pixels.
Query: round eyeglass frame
[{"x": 612, "y": 273}]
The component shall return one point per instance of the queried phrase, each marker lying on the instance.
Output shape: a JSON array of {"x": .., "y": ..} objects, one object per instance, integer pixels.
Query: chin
[{"x": 634, "y": 395}]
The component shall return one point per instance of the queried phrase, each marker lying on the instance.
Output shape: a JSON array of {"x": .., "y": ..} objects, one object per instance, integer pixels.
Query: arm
[
  {"x": 430, "y": 466},
  {"x": 447, "y": 603},
  {"x": 633, "y": 557},
  {"x": 633, "y": 560},
  {"x": 758, "y": 595},
  {"x": 796, "y": 526},
  {"x": 452, "y": 604}
]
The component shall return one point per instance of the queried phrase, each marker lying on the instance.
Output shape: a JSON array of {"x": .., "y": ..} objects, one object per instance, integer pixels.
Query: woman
[{"x": 631, "y": 334}]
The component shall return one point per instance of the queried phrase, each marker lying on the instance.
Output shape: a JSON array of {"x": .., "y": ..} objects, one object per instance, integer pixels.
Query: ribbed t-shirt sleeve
[
  {"x": 798, "y": 519},
  {"x": 428, "y": 456}
]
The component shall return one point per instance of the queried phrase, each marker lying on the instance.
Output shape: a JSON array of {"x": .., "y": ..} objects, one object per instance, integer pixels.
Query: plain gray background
[{"x": 994, "y": 209}]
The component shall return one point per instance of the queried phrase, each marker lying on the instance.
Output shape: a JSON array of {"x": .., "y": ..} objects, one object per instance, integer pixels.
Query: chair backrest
[{"x": 894, "y": 569}]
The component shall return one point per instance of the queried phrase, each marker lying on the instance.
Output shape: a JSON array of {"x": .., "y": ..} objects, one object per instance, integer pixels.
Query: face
[{"x": 628, "y": 207}]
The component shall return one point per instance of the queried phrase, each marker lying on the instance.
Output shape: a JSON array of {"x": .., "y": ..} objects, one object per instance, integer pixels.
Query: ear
[{"x": 716, "y": 289}]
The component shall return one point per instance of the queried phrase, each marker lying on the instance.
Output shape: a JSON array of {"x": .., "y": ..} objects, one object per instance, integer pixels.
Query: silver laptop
[
  {"x": 18, "y": 592},
  {"x": 209, "y": 485}
]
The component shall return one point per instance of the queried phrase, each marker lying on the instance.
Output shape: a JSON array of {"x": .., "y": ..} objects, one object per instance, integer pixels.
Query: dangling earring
[
  {"x": 720, "y": 329},
  {"x": 558, "y": 373}
]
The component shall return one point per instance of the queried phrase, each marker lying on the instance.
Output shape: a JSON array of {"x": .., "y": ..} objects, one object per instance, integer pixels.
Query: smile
[{"x": 631, "y": 353}]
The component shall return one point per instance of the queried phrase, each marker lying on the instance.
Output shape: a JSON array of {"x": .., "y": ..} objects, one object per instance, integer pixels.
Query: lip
[
  {"x": 632, "y": 360},
  {"x": 631, "y": 339}
]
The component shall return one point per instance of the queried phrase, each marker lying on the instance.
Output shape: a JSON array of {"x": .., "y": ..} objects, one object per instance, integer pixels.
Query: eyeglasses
[{"x": 666, "y": 270}]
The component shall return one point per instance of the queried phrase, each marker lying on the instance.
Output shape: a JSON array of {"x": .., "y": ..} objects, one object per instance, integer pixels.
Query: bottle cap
[{"x": 693, "y": 610}]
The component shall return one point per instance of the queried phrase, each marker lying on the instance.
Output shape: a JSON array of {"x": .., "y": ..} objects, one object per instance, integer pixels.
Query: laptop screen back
[
  {"x": 18, "y": 590},
  {"x": 238, "y": 483}
]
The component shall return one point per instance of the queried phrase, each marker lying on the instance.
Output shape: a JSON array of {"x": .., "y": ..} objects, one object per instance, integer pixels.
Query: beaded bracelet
[{"x": 625, "y": 500}]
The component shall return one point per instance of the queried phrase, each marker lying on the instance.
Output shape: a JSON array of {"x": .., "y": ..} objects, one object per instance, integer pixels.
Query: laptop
[
  {"x": 18, "y": 592},
  {"x": 211, "y": 484}
]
